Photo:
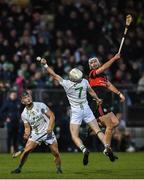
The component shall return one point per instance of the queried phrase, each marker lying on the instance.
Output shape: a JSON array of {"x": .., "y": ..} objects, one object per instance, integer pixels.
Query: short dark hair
[{"x": 24, "y": 93}]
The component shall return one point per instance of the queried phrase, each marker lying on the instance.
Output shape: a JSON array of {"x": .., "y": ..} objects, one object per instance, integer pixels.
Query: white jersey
[
  {"x": 76, "y": 92},
  {"x": 36, "y": 117}
]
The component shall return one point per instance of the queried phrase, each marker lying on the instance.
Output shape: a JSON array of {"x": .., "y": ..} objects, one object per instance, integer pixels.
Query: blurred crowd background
[{"x": 67, "y": 33}]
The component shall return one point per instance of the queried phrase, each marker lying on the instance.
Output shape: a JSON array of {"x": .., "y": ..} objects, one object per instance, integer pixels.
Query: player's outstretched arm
[
  {"x": 106, "y": 65},
  {"x": 112, "y": 88},
  {"x": 49, "y": 70},
  {"x": 94, "y": 95}
]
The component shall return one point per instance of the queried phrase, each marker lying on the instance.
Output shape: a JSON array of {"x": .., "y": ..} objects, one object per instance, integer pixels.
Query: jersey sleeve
[
  {"x": 44, "y": 108},
  {"x": 64, "y": 83},
  {"x": 24, "y": 119}
]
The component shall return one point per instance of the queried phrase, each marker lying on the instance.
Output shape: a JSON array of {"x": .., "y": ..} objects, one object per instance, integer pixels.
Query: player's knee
[
  {"x": 116, "y": 123},
  {"x": 25, "y": 153},
  {"x": 112, "y": 124},
  {"x": 114, "y": 120},
  {"x": 73, "y": 138},
  {"x": 27, "y": 150}
]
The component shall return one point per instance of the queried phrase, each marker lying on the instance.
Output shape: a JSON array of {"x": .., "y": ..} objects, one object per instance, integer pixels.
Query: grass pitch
[{"x": 41, "y": 165}]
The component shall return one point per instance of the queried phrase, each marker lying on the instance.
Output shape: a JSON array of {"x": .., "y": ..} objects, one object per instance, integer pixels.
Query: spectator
[
  {"x": 84, "y": 34},
  {"x": 10, "y": 112}
]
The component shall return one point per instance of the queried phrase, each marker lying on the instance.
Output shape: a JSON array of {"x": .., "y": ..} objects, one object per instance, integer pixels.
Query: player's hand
[
  {"x": 122, "y": 97},
  {"x": 117, "y": 57},
  {"x": 49, "y": 131},
  {"x": 26, "y": 136},
  {"x": 99, "y": 101}
]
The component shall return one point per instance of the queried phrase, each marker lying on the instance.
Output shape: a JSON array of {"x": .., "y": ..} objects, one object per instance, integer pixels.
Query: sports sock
[
  {"x": 83, "y": 148},
  {"x": 107, "y": 145}
]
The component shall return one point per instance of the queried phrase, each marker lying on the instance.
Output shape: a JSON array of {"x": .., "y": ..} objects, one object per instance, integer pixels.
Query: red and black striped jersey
[{"x": 97, "y": 79}]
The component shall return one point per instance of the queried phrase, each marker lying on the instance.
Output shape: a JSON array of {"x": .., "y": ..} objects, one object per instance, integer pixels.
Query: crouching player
[{"x": 38, "y": 123}]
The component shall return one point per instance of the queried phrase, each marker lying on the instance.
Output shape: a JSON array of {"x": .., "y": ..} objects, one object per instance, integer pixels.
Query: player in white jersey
[
  {"x": 76, "y": 90},
  {"x": 38, "y": 123}
]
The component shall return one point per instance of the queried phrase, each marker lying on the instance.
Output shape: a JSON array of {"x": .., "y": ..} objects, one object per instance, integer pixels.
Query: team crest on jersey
[
  {"x": 75, "y": 84},
  {"x": 33, "y": 113}
]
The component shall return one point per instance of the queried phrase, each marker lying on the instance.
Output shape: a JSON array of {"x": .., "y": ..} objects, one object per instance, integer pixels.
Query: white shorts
[
  {"x": 43, "y": 137},
  {"x": 81, "y": 113}
]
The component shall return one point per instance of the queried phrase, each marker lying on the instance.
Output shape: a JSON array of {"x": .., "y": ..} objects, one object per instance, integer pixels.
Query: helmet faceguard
[{"x": 94, "y": 59}]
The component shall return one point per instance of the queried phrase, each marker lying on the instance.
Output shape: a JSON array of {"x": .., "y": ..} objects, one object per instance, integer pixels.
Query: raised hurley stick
[{"x": 128, "y": 22}]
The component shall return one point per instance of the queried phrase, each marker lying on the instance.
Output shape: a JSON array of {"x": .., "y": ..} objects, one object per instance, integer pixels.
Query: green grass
[{"x": 40, "y": 165}]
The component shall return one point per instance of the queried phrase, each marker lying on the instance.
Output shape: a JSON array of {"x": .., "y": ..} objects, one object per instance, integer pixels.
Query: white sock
[
  {"x": 107, "y": 145},
  {"x": 83, "y": 148}
]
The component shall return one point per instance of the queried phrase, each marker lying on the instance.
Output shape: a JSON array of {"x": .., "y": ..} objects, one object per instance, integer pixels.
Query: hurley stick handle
[{"x": 128, "y": 22}]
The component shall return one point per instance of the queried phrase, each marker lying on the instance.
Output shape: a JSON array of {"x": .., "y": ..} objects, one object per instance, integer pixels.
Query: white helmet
[
  {"x": 94, "y": 59},
  {"x": 75, "y": 75}
]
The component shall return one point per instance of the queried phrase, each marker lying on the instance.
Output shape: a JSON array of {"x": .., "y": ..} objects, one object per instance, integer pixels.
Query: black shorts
[
  {"x": 106, "y": 106},
  {"x": 99, "y": 110}
]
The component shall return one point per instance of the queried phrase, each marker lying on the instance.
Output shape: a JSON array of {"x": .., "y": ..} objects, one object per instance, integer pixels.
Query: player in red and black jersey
[{"x": 101, "y": 85}]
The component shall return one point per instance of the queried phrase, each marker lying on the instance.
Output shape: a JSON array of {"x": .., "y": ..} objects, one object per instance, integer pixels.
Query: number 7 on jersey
[{"x": 80, "y": 91}]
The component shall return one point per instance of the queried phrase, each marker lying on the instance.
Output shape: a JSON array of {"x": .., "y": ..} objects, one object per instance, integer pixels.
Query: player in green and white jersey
[{"x": 38, "y": 123}]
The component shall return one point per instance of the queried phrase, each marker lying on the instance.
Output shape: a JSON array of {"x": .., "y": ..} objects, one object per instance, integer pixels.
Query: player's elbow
[{"x": 108, "y": 85}]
